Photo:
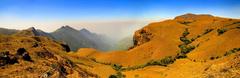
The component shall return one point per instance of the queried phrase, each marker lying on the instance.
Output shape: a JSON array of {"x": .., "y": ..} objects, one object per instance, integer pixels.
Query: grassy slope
[{"x": 164, "y": 39}]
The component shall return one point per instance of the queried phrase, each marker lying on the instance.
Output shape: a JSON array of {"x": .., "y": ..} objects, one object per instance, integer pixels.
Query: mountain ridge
[{"x": 83, "y": 37}]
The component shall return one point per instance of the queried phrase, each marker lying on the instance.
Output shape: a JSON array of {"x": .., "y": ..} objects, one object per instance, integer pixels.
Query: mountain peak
[
  {"x": 31, "y": 29},
  {"x": 66, "y": 27},
  {"x": 84, "y": 30},
  {"x": 192, "y": 16}
]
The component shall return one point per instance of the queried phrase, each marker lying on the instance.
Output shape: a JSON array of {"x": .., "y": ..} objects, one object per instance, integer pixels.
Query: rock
[
  {"x": 66, "y": 47},
  {"x": 20, "y": 51},
  {"x": 6, "y": 58},
  {"x": 26, "y": 57}
]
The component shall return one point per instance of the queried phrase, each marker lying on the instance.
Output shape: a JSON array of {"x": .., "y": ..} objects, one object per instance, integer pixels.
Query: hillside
[
  {"x": 193, "y": 45},
  {"x": 188, "y": 46},
  {"x": 34, "y": 57}
]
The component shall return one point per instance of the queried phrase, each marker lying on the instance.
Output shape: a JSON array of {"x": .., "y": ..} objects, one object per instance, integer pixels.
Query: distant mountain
[
  {"x": 74, "y": 38},
  {"x": 33, "y": 32},
  {"x": 101, "y": 41},
  {"x": 124, "y": 44},
  {"x": 80, "y": 38},
  {"x": 7, "y": 31}
]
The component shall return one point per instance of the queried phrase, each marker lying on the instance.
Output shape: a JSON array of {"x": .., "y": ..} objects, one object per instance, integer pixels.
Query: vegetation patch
[
  {"x": 119, "y": 74},
  {"x": 221, "y": 31},
  {"x": 234, "y": 50},
  {"x": 185, "y": 22},
  {"x": 207, "y": 31},
  {"x": 119, "y": 68},
  {"x": 162, "y": 62},
  {"x": 185, "y": 47}
]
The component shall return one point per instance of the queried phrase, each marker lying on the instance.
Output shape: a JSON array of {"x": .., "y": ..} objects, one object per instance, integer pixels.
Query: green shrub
[
  {"x": 185, "y": 22},
  {"x": 167, "y": 60},
  {"x": 185, "y": 33},
  {"x": 221, "y": 31},
  {"x": 207, "y": 31},
  {"x": 185, "y": 40},
  {"x": 117, "y": 75},
  {"x": 186, "y": 48},
  {"x": 234, "y": 50},
  {"x": 116, "y": 67},
  {"x": 113, "y": 76},
  {"x": 163, "y": 62},
  {"x": 180, "y": 55}
]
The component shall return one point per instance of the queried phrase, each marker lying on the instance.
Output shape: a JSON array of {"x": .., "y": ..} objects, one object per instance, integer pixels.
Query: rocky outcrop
[
  {"x": 6, "y": 58},
  {"x": 142, "y": 36}
]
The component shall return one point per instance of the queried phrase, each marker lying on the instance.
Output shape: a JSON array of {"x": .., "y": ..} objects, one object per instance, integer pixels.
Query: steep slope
[
  {"x": 155, "y": 41},
  {"x": 37, "y": 57}
]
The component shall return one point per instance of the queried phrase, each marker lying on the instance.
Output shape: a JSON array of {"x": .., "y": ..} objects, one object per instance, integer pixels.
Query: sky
[{"x": 109, "y": 17}]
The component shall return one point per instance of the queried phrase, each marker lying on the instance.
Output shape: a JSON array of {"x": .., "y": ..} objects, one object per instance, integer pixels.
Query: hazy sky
[{"x": 105, "y": 16}]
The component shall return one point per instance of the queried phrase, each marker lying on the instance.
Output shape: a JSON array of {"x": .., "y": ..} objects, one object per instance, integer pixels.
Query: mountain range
[{"x": 74, "y": 38}]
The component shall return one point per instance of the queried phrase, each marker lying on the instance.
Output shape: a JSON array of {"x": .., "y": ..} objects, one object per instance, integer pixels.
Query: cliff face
[{"x": 142, "y": 36}]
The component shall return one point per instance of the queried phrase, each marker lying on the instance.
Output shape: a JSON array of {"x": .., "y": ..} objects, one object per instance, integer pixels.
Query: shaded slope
[
  {"x": 34, "y": 57},
  {"x": 73, "y": 37},
  {"x": 81, "y": 38}
]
